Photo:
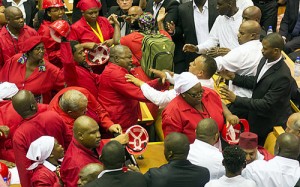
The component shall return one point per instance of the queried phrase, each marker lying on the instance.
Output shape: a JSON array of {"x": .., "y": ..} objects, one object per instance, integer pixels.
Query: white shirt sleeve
[
  {"x": 171, "y": 79},
  {"x": 231, "y": 61},
  {"x": 157, "y": 97},
  {"x": 212, "y": 41}
]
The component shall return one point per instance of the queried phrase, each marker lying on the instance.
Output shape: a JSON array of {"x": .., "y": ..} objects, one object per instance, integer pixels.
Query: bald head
[
  {"x": 24, "y": 103},
  {"x": 121, "y": 56},
  {"x": 11, "y": 12},
  {"x": 113, "y": 155},
  {"x": 288, "y": 146},
  {"x": 249, "y": 30},
  {"x": 116, "y": 51},
  {"x": 74, "y": 103},
  {"x": 14, "y": 18},
  {"x": 207, "y": 131},
  {"x": 293, "y": 124},
  {"x": 89, "y": 173},
  {"x": 252, "y": 13},
  {"x": 177, "y": 146},
  {"x": 135, "y": 11},
  {"x": 82, "y": 124}
]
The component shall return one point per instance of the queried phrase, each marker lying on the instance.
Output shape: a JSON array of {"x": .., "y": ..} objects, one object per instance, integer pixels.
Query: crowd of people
[{"x": 63, "y": 119}]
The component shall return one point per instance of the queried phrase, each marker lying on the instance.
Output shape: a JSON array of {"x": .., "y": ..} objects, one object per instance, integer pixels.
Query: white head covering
[
  {"x": 185, "y": 81},
  {"x": 7, "y": 90},
  {"x": 40, "y": 150}
]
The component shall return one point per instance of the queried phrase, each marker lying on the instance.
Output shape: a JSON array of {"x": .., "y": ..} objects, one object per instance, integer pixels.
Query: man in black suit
[
  {"x": 179, "y": 172},
  {"x": 171, "y": 6},
  {"x": 270, "y": 102},
  {"x": 113, "y": 158},
  {"x": 29, "y": 7},
  {"x": 290, "y": 26},
  {"x": 186, "y": 25}
]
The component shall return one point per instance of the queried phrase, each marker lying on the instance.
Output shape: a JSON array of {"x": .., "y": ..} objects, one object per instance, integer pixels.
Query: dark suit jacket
[
  {"x": 289, "y": 19},
  {"x": 30, "y": 10},
  {"x": 177, "y": 173},
  {"x": 270, "y": 102},
  {"x": 171, "y": 7},
  {"x": 186, "y": 26},
  {"x": 119, "y": 179},
  {"x": 119, "y": 12}
]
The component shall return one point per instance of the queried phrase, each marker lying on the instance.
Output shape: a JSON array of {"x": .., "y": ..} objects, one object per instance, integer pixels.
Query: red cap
[
  {"x": 30, "y": 43},
  {"x": 4, "y": 170},
  {"x": 248, "y": 140},
  {"x": 52, "y": 3},
  {"x": 138, "y": 140},
  {"x": 243, "y": 126},
  {"x": 61, "y": 27},
  {"x": 98, "y": 56},
  {"x": 88, "y": 4}
]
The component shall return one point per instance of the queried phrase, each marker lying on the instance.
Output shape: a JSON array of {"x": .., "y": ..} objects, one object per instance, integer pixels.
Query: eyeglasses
[{"x": 195, "y": 95}]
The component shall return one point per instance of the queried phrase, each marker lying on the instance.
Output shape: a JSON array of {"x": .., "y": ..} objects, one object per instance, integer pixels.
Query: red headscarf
[
  {"x": 31, "y": 43},
  {"x": 88, "y": 4}
]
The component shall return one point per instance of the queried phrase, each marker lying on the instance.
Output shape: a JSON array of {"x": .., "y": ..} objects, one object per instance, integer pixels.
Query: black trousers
[{"x": 269, "y": 13}]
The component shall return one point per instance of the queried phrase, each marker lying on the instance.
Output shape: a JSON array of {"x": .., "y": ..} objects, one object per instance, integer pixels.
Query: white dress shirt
[
  {"x": 201, "y": 22},
  {"x": 266, "y": 67},
  {"x": 20, "y": 6},
  {"x": 279, "y": 172},
  {"x": 243, "y": 60},
  {"x": 223, "y": 32},
  {"x": 205, "y": 155},
  {"x": 237, "y": 181},
  {"x": 162, "y": 99},
  {"x": 243, "y": 4}
]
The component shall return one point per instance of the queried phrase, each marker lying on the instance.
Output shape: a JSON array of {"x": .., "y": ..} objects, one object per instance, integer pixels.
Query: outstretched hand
[
  {"x": 162, "y": 75},
  {"x": 134, "y": 80},
  {"x": 161, "y": 14},
  {"x": 190, "y": 48}
]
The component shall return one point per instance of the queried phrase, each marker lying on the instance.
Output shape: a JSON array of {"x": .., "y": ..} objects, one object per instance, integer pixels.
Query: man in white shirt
[
  {"x": 204, "y": 67},
  {"x": 281, "y": 171},
  {"x": 234, "y": 162},
  {"x": 224, "y": 31},
  {"x": 203, "y": 152}
]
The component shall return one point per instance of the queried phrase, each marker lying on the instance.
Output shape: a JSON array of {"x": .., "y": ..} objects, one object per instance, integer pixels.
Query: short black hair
[
  {"x": 178, "y": 143},
  {"x": 73, "y": 43},
  {"x": 234, "y": 159},
  {"x": 113, "y": 155},
  {"x": 210, "y": 66},
  {"x": 275, "y": 40}
]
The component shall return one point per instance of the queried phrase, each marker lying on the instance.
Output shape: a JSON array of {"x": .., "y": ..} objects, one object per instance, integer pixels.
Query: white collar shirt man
[
  {"x": 236, "y": 181},
  {"x": 266, "y": 67}
]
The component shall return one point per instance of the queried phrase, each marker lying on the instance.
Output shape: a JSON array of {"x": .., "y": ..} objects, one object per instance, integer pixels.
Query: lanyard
[{"x": 98, "y": 33}]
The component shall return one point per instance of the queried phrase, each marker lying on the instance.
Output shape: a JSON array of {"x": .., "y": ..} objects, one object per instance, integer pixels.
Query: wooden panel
[
  {"x": 291, "y": 65},
  {"x": 153, "y": 156},
  {"x": 146, "y": 114}
]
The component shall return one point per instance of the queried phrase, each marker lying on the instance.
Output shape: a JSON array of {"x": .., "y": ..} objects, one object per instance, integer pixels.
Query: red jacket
[
  {"x": 10, "y": 46},
  {"x": 121, "y": 98},
  {"x": 76, "y": 75},
  {"x": 41, "y": 124},
  {"x": 95, "y": 109},
  {"x": 42, "y": 176},
  {"x": 82, "y": 32},
  {"x": 76, "y": 157},
  {"x": 9, "y": 117},
  {"x": 134, "y": 42},
  {"x": 179, "y": 116},
  {"x": 52, "y": 47},
  {"x": 39, "y": 82},
  {"x": 263, "y": 151}
]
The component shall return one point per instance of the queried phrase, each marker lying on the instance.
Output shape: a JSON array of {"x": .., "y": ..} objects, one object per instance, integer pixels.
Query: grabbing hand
[
  {"x": 226, "y": 74},
  {"x": 133, "y": 168},
  {"x": 232, "y": 119},
  {"x": 113, "y": 19},
  {"x": 4, "y": 131},
  {"x": 115, "y": 128},
  {"x": 109, "y": 42},
  {"x": 227, "y": 94},
  {"x": 162, "y": 75},
  {"x": 89, "y": 45},
  {"x": 190, "y": 48},
  {"x": 134, "y": 80},
  {"x": 122, "y": 138}
]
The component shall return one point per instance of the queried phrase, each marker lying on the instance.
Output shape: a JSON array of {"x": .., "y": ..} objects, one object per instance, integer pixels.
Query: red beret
[
  {"x": 30, "y": 43},
  {"x": 88, "y": 4},
  {"x": 248, "y": 140}
]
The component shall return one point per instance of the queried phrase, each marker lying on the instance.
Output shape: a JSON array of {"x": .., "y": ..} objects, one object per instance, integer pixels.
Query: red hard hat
[
  {"x": 98, "y": 56},
  {"x": 58, "y": 29},
  {"x": 4, "y": 172},
  {"x": 52, "y": 3},
  {"x": 138, "y": 139},
  {"x": 233, "y": 138}
]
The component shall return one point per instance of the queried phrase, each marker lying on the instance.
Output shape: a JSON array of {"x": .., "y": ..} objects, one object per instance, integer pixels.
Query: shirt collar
[
  {"x": 204, "y": 144},
  {"x": 107, "y": 171},
  {"x": 259, "y": 156},
  {"x": 160, "y": 3},
  {"x": 270, "y": 64},
  {"x": 22, "y": 1},
  {"x": 204, "y": 7},
  {"x": 49, "y": 166},
  {"x": 236, "y": 16},
  {"x": 14, "y": 36}
]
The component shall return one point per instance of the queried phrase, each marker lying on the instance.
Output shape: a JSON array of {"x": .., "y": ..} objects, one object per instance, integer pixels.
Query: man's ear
[
  {"x": 80, "y": 135},
  {"x": 170, "y": 154},
  {"x": 33, "y": 107}
]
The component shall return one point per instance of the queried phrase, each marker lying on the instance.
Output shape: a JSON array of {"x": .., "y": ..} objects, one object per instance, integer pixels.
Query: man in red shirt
[
  {"x": 249, "y": 143},
  {"x": 72, "y": 102},
  {"x": 13, "y": 34},
  {"x": 34, "y": 125},
  {"x": 85, "y": 148},
  {"x": 119, "y": 97}
]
